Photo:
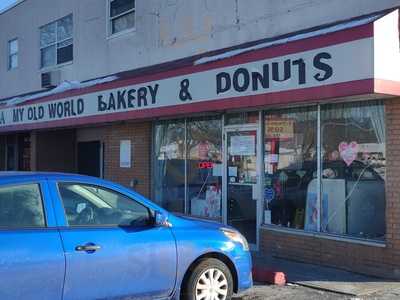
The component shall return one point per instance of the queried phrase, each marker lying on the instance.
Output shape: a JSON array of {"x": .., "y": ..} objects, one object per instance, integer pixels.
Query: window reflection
[
  {"x": 352, "y": 176},
  {"x": 353, "y": 169},
  {"x": 169, "y": 165},
  {"x": 204, "y": 167},
  {"x": 197, "y": 145},
  {"x": 290, "y": 165}
]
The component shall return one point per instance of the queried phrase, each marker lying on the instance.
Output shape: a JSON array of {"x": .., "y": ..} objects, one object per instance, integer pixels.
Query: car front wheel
[{"x": 211, "y": 279}]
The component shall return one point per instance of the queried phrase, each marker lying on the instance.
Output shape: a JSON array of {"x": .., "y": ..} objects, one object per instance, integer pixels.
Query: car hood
[{"x": 190, "y": 221}]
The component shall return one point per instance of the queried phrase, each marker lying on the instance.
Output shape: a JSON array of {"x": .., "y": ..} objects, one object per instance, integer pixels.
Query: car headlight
[{"x": 235, "y": 236}]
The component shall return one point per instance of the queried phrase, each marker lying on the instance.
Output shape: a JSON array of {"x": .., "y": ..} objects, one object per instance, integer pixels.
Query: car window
[
  {"x": 94, "y": 205},
  {"x": 21, "y": 206}
]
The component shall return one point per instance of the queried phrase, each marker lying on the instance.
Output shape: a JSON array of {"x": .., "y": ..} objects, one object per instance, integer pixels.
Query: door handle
[{"x": 88, "y": 248}]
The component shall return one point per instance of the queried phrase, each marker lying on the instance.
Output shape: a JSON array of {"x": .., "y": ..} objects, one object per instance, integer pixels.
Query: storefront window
[
  {"x": 204, "y": 167},
  {"x": 347, "y": 195},
  {"x": 169, "y": 165},
  {"x": 290, "y": 165},
  {"x": 194, "y": 144},
  {"x": 353, "y": 170}
]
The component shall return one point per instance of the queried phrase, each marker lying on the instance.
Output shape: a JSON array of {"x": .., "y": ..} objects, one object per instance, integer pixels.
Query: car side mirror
[{"x": 161, "y": 219}]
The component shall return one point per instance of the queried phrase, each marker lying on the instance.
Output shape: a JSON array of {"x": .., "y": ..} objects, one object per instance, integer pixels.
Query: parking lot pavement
[
  {"x": 289, "y": 292},
  {"x": 261, "y": 292}
]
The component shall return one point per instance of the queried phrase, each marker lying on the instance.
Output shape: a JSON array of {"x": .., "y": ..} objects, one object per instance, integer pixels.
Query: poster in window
[
  {"x": 125, "y": 154},
  {"x": 279, "y": 128},
  {"x": 203, "y": 149},
  {"x": 243, "y": 145}
]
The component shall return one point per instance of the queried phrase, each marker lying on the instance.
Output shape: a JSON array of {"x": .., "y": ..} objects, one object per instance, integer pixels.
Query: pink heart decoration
[{"x": 348, "y": 152}]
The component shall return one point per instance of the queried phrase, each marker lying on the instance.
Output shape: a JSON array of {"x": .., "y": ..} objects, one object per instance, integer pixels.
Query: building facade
[{"x": 280, "y": 119}]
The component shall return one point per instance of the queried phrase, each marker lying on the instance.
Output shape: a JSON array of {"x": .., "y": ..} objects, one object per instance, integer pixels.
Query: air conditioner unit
[{"x": 51, "y": 79}]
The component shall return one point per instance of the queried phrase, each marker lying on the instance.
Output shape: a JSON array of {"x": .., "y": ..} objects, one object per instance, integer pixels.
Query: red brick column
[{"x": 140, "y": 136}]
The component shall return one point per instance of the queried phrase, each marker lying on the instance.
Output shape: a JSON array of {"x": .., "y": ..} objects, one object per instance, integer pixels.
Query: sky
[{"x": 5, "y": 3}]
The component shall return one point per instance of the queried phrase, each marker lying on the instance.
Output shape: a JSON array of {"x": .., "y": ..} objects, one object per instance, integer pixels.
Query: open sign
[{"x": 205, "y": 165}]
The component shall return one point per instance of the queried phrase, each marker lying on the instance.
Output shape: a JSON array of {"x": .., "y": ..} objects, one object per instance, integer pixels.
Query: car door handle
[{"x": 88, "y": 248}]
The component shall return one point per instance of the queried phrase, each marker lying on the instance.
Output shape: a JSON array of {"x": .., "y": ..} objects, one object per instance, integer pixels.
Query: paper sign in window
[
  {"x": 125, "y": 154},
  {"x": 243, "y": 145}
]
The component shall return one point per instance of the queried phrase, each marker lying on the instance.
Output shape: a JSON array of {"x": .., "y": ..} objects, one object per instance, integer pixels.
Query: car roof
[{"x": 7, "y": 175}]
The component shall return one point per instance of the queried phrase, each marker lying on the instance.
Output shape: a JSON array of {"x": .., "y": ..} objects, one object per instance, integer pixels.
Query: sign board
[
  {"x": 277, "y": 128},
  {"x": 125, "y": 154},
  {"x": 243, "y": 145},
  {"x": 341, "y": 63}
]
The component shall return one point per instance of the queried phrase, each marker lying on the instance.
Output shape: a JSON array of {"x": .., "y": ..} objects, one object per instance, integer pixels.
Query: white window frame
[
  {"x": 55, "y": 43},
  {"x": 110, "y": 19},
  {"x": 12, "y": 54}
]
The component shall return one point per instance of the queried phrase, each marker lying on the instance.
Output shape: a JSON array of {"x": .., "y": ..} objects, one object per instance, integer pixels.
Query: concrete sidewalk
[{"x": 325, "y": 278}]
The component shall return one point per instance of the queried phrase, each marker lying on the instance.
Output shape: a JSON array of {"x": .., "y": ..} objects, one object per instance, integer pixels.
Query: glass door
[{"x": 242, "y": 180}]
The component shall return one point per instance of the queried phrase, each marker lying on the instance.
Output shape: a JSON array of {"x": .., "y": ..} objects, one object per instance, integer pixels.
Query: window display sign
[
  {"x": 278, "y": 128},
  {"x": 243, "y": 145},
  {"x": 348, "y": 152},
  {"x": 203, "y": 149},
  {"x": 125, "y": 154}
]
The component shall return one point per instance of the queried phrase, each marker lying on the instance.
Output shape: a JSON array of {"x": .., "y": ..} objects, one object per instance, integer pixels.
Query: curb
[{"x": 265, "y": 275}]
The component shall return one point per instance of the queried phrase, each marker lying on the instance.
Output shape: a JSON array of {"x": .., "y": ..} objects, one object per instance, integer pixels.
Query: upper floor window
[
  {"x": 56, "y": 42},
  {"x": 122, "y": 15},
  {"x": 13, "y": 54}
]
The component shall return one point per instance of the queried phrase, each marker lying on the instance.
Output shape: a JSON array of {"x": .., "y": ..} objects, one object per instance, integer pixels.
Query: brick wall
[
  {"x": 366, "y": 259},
  {"x": 140, "y": 136}
]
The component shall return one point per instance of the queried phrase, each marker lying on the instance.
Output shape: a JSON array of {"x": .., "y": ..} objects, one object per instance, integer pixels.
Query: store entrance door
[
  {"x": 242, "y": 177},
  {"x": 90, "y": 158}
]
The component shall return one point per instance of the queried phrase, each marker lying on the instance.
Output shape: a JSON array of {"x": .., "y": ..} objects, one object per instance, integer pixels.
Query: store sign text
[{"x": 313, "y": 68}]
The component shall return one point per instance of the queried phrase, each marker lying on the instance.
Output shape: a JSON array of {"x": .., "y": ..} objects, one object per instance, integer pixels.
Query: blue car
[{"x": 75, "y": 237}]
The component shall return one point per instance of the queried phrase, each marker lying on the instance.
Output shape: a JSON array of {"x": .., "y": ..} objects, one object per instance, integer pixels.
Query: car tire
[{"x": 198, "y": 283}]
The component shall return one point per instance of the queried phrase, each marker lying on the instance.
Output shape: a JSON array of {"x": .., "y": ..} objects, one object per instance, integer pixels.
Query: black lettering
[
  {"x": 111, "y": 102},
  {"x": 142, "y": 96},
  {"x": 73, "y": 112},
  {"x": 286, "y": 72},
  {"x": 60, "y": 109},
  {"x": 263, "y": 78},
  {"x": 241, "y": 85},
  {"x": 52, "y": 110},
  {"x": 15, "y": 115},
  {"x": 301, "y": 65},
  {"x": 81, "y": 106},
  {"x": 131, "y": 98},
  {"x": 121, "y": 99},
  {"x": 41, "y": 112},
  {"x": 328, "y": 71},
  {"x": 18, "y": 114},
  {"x": 101, "y": 105},
  {"x": 223, "y": 82},
  {"x": 153, "y": 92},
  {"x": 67, "y": 109},
  {"x": 30, "y": 113},
  {"x": 184, "y": 93}
]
